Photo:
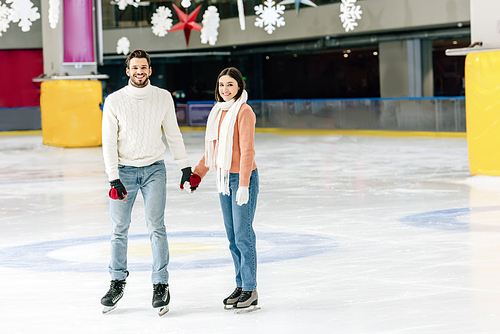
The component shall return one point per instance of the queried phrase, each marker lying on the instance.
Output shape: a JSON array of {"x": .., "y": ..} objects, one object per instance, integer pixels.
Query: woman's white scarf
[{"x": 220, "y": 155}]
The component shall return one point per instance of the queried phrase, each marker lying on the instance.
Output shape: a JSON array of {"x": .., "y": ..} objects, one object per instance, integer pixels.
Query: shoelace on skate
[
  {"x": 245, "y": 295},
  {"x": 114, "y": 288},
  {"x": 159, "y": 289},
  {"x": 235, "y": 293}
]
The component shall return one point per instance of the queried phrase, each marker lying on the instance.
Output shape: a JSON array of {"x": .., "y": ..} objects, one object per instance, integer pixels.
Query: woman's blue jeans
[
  {"x": 238, "y": 221},
  {"x": 152, "y": 182}
]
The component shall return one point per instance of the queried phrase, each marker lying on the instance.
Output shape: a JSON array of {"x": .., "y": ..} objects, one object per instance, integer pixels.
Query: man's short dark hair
[{"x": 137, "y": 54}]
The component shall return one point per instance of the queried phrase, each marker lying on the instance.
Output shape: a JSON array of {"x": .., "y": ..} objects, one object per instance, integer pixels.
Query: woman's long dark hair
[{"x": 234, "y": 73}]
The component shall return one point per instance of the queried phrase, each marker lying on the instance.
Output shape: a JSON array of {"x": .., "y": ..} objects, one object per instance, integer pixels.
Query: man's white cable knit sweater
[{"x": 131, "y": 129}]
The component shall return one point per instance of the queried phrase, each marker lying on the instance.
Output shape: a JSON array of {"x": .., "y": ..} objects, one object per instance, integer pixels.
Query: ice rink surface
[{"x": 356, "y": 234}]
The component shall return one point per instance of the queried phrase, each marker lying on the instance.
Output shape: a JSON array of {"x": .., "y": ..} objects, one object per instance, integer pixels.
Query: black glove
[
  {"x": 117, "y": 190},
  {"x": 186, "y": 174}
]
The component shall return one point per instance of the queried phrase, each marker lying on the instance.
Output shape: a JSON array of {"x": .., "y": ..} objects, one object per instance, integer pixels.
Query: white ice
[{"x": 356, "y": 234}]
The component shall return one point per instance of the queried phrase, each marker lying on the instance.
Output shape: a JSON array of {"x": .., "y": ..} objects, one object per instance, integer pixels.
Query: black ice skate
[
  {"x": 114, "y": 294},
  {"x": 247, "y": 302},
  {"x": 161, "y": 298},
  {"x": 233, "y": 298}
]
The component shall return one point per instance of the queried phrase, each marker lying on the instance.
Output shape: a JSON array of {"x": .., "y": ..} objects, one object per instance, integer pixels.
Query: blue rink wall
[{"x": 396, "y": 114}]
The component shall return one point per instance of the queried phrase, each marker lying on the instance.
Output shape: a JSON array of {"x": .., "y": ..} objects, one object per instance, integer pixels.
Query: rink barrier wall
[
  {"x": 373, "y": 116},
  {"x": 323, "y": 132},
  {"x": 20, "y": 119},
  {"x": 21, "y": 133},
  {"x": 306, "y": 132},
  {"x": 429, "y": 114}
]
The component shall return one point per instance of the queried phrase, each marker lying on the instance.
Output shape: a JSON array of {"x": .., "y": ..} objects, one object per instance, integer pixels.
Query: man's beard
[{"x": 138, "y": 84}]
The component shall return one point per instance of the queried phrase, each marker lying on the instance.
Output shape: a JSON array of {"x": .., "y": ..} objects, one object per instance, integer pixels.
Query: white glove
[{"x": 242, "y": 196}]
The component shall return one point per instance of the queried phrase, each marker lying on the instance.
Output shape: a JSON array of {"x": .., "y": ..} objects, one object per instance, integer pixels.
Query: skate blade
[
  {"x": 228, "y": 307},
  {"x": 108, "y": 309},
  {"x": 246, "y": 309},
  {"x": 162, "y": 310}
]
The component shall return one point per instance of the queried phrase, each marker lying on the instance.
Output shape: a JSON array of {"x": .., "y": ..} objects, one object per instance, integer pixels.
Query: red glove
[
  {"x": 117, "y": 190},
  {"x": 195, "y": 181}
]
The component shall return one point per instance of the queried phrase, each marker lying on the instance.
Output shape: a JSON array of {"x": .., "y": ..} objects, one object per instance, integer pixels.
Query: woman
[{"x": 229, "y": 148}]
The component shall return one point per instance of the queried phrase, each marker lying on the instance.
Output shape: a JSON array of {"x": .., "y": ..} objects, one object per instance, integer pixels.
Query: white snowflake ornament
[
  {"x": 211, "y": 22},
  {"x": 22, "y": 11},
  {"x": 241, "y": 14},
  {"x": 161, "y": 21},
  {"x": 122, "y": 4},
  {"x": 186, "y": 3},
  {"x": 123, "y": 46},
  {"x": 4, "y": 18},
  {"x": 269, "y": 16},
  {"x": 349, "y": 13},
  {"x": 54, "y": 9}
]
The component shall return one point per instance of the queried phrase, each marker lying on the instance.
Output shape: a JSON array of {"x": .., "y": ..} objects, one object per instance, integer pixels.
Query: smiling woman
[
  {"x": 229, "y": 148},
  {"x": 228, "y": 87}
]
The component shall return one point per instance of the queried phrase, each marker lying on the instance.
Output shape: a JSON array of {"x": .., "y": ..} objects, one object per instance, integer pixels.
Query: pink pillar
[{"x": 78, "y": 31}]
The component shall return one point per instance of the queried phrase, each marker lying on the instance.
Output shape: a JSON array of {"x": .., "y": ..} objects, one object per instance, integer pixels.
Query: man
[{"x": 133, "y": 156}]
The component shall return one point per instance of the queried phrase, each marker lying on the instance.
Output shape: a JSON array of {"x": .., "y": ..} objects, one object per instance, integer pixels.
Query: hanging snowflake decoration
[
  {"x": 122, "y": 4},
  {"x": 241, "y": 14},
  {"x": 22, "y": 11},
  {"x": 186, "y": 3},
  {"x": 161, "y": 21},
  {"x": 123, "y": 46},
  {"x": 54, "y": 8},
  {"x": 210, "y": 23},
  {"x": 269, "y": 16},
  {"x": 349, "y": 13},
  {"x": 4, "y": 18}
]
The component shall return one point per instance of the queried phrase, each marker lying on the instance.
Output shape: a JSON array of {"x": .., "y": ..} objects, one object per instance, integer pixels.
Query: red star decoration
[{"x": 186, "y": 22}]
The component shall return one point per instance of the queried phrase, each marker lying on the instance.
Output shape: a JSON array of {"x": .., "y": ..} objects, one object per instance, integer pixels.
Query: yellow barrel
[
  {"x": 482, "y": 106},
  {"x": 71, "y": 116}
]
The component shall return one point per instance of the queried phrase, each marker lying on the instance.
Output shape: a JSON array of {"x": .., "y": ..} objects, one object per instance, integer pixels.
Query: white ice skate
[{"x": 247, "y": 302}]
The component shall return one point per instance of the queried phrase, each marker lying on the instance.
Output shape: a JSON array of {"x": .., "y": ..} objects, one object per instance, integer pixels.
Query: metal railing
[{"x": 398, "y": 114}]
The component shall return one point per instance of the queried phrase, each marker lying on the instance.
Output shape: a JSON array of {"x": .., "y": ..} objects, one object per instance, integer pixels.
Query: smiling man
[{"x": 133, "y": 149}]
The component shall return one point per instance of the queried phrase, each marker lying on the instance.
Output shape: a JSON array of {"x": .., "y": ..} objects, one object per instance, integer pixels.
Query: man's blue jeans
[
  {"x": 238, "y": 221},
  {"x": 152, "y": 182}
]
